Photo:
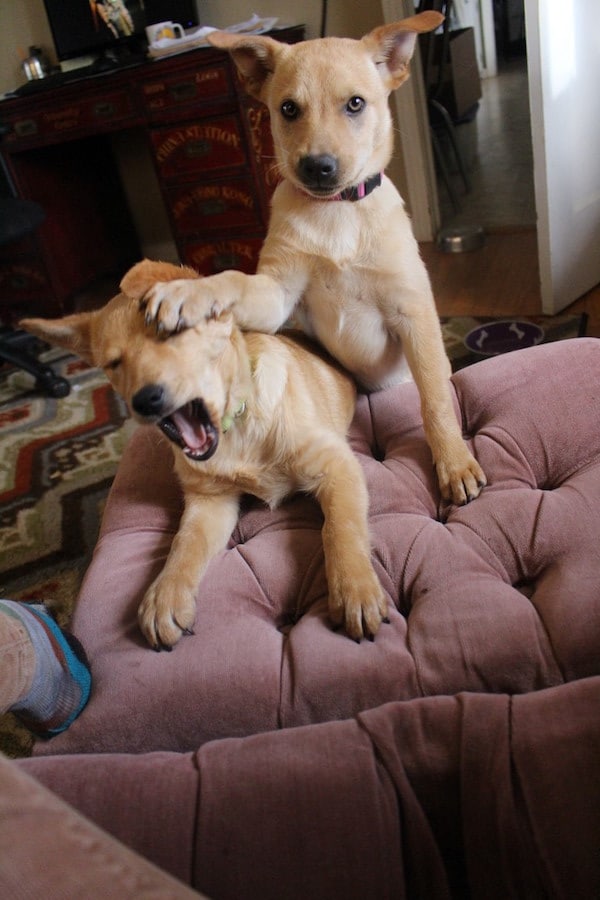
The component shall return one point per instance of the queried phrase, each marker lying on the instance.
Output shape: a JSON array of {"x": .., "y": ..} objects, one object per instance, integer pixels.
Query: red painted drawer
[
  {"x": 23, "y": 279},
  {"x": 205, "y": 145},
  {"x": 174, "y": 91},
  {"x": 207, "y": 206},
  {"x": 210, "y": 257},
  {"x": 66, "y": 118},
  {"x": 259, "y": 127}
]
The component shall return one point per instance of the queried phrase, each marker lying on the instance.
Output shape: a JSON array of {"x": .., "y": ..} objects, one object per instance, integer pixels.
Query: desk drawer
[
  {"x": 206, "y": 145},
  {"x": 231, "y": 203},
  {"x": 210, "y": 257},
  {"x": 23, "y": 280},
  {"x": 62, "y": 119},
  {"x": 259, "y": 128},
  {"x": 192, "y": 87}
]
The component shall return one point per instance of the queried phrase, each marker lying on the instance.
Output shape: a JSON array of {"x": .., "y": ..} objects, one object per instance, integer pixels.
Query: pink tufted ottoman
[
  {"x": 499, "y": 596},
  {"x": 480, "y": 779}
]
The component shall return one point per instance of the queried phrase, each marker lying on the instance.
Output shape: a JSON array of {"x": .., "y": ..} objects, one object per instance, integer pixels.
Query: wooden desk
[{"x": 211, "y": 150}]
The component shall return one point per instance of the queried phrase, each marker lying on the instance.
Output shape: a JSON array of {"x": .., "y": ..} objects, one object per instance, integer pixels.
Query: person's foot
[{"x": 61, "y": 682}]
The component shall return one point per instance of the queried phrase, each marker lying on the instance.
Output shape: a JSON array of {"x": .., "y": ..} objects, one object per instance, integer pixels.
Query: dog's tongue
[{"x": 192, "y": 432}]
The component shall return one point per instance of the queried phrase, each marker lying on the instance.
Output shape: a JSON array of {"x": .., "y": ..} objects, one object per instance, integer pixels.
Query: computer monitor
[{"x": 110, "y": 28}]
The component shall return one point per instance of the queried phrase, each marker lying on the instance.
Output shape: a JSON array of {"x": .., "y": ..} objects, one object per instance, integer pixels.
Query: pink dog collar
[{"x": 360, "y": 190}]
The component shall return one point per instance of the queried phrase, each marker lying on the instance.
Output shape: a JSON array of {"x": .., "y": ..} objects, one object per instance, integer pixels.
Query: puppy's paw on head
[{"x": 142, "y": 277}]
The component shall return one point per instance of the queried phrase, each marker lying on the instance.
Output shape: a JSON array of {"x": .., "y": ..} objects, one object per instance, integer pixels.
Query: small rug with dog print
[
  {"x": 469, "y": 339},
  {"x": 60, "y": 456}
]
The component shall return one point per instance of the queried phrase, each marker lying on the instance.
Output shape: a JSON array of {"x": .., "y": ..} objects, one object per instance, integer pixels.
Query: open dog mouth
[{"x": 191, "y": 428}]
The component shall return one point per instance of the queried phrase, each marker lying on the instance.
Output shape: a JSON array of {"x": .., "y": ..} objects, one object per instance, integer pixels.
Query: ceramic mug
[{"x": 163, "y": 31}]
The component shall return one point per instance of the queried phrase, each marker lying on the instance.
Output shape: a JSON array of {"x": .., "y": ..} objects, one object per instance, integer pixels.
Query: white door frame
[
  {"x": 410, "y": 107},
  {"x": 564, "y": 71}
]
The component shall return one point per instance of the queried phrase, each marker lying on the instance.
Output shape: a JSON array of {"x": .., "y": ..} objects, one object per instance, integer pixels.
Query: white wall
[
  {"x": 350, "y": 18},
  {"x": 23, "y": 23}
]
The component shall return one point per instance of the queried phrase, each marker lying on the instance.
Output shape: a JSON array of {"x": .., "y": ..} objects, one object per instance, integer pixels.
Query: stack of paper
[{"x": 197, "y": 38}]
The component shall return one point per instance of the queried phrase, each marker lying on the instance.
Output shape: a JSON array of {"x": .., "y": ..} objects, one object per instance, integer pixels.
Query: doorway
[{"x": 496, "y": 142}]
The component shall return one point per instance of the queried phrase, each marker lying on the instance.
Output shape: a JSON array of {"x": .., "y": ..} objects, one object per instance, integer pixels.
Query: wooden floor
[{"x": 501, "y": 279}]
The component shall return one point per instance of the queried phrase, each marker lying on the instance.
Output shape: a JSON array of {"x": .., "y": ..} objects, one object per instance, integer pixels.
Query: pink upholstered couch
[{"x": 458, "y": 754}]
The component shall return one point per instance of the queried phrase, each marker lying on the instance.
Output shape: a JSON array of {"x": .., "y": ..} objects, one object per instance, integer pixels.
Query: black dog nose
[
  {"x": 149, "y": 400},
  {"x": 318, "y": 171}
]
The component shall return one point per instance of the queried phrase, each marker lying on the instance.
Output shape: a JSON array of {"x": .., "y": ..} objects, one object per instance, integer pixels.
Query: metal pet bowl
[{"x": 462, "y": 239}]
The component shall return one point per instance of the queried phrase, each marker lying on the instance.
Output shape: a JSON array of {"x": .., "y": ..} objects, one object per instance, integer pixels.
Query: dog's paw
[
  {"x": 357, "y": 602},
  {"x": 166, "y": 613},
  {"x": 172, "y": 306},
  {"x": 461, "y": 478}
]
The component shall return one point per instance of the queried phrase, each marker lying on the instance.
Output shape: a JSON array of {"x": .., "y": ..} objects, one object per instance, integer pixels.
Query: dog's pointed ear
[
  {"x": 254, "y": 55},
  {"x": 392, "y": 46},
  {"x": 141, "y": 277},
  {"x": 73, "y": 332}
]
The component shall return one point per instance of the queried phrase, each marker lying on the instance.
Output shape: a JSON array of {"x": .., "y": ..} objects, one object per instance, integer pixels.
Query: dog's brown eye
[
  {"x": 289, "y": 110},
  {"x": 112, "y": 365},
  {"x": 355, "y": 105}
]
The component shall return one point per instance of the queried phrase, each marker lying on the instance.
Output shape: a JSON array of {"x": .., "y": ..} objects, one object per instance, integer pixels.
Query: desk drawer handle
[
  {"x": 196, "y": 149},
  {"x": 224, "y": 261},
  {"x": 186, "y": 90},
  {"x": 212, "y": 207},
  {"x": 26, "y": 127},
  {"x": 103, "y": 109}
]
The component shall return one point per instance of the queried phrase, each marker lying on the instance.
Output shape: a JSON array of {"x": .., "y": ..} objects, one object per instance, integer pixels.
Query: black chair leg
[
  {"x": 444, "y": 117},
  {"x": 46, "y": 379},
  {"x": 443, "y": 169}
]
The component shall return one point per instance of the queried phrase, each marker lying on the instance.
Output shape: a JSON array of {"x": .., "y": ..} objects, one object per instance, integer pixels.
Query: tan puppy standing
[
  {"x": 246, "y": 413},
  {"x": 340, "y": 256}
]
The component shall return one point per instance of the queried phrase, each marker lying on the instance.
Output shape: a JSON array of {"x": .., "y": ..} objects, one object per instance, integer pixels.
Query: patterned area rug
[
  {"x": 59, "y": 458},
  {"x": 58, "y": 461}
]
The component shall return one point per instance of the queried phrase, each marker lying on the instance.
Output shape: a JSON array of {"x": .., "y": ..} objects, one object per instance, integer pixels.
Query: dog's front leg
[
  {"x": 356, "y": 599},
  {"x": 168, "y": 609},
  {"x": 258, "y": 302},
  {"x": 460, "y": 476}
]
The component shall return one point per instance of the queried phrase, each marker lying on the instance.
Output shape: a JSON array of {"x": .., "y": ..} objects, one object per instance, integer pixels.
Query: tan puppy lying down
[
  {"x": 340, "y": 256},
  {"x": 246, "y": 413}
]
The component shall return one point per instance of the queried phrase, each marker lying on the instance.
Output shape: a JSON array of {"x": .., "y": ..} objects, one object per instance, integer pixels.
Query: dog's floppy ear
[
  {"x": 392, "y": 46},
  {"x": 255, "y": 57},
  {"x": 73, "y": 332},
  {"x": 141, "y": 277}
]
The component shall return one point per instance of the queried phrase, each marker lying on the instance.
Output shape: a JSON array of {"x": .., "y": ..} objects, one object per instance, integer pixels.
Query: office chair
[{"x": 19, "y": 218}]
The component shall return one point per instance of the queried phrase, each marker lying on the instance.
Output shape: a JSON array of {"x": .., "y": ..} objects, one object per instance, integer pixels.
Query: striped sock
[{"x": 61, "y": 682}]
